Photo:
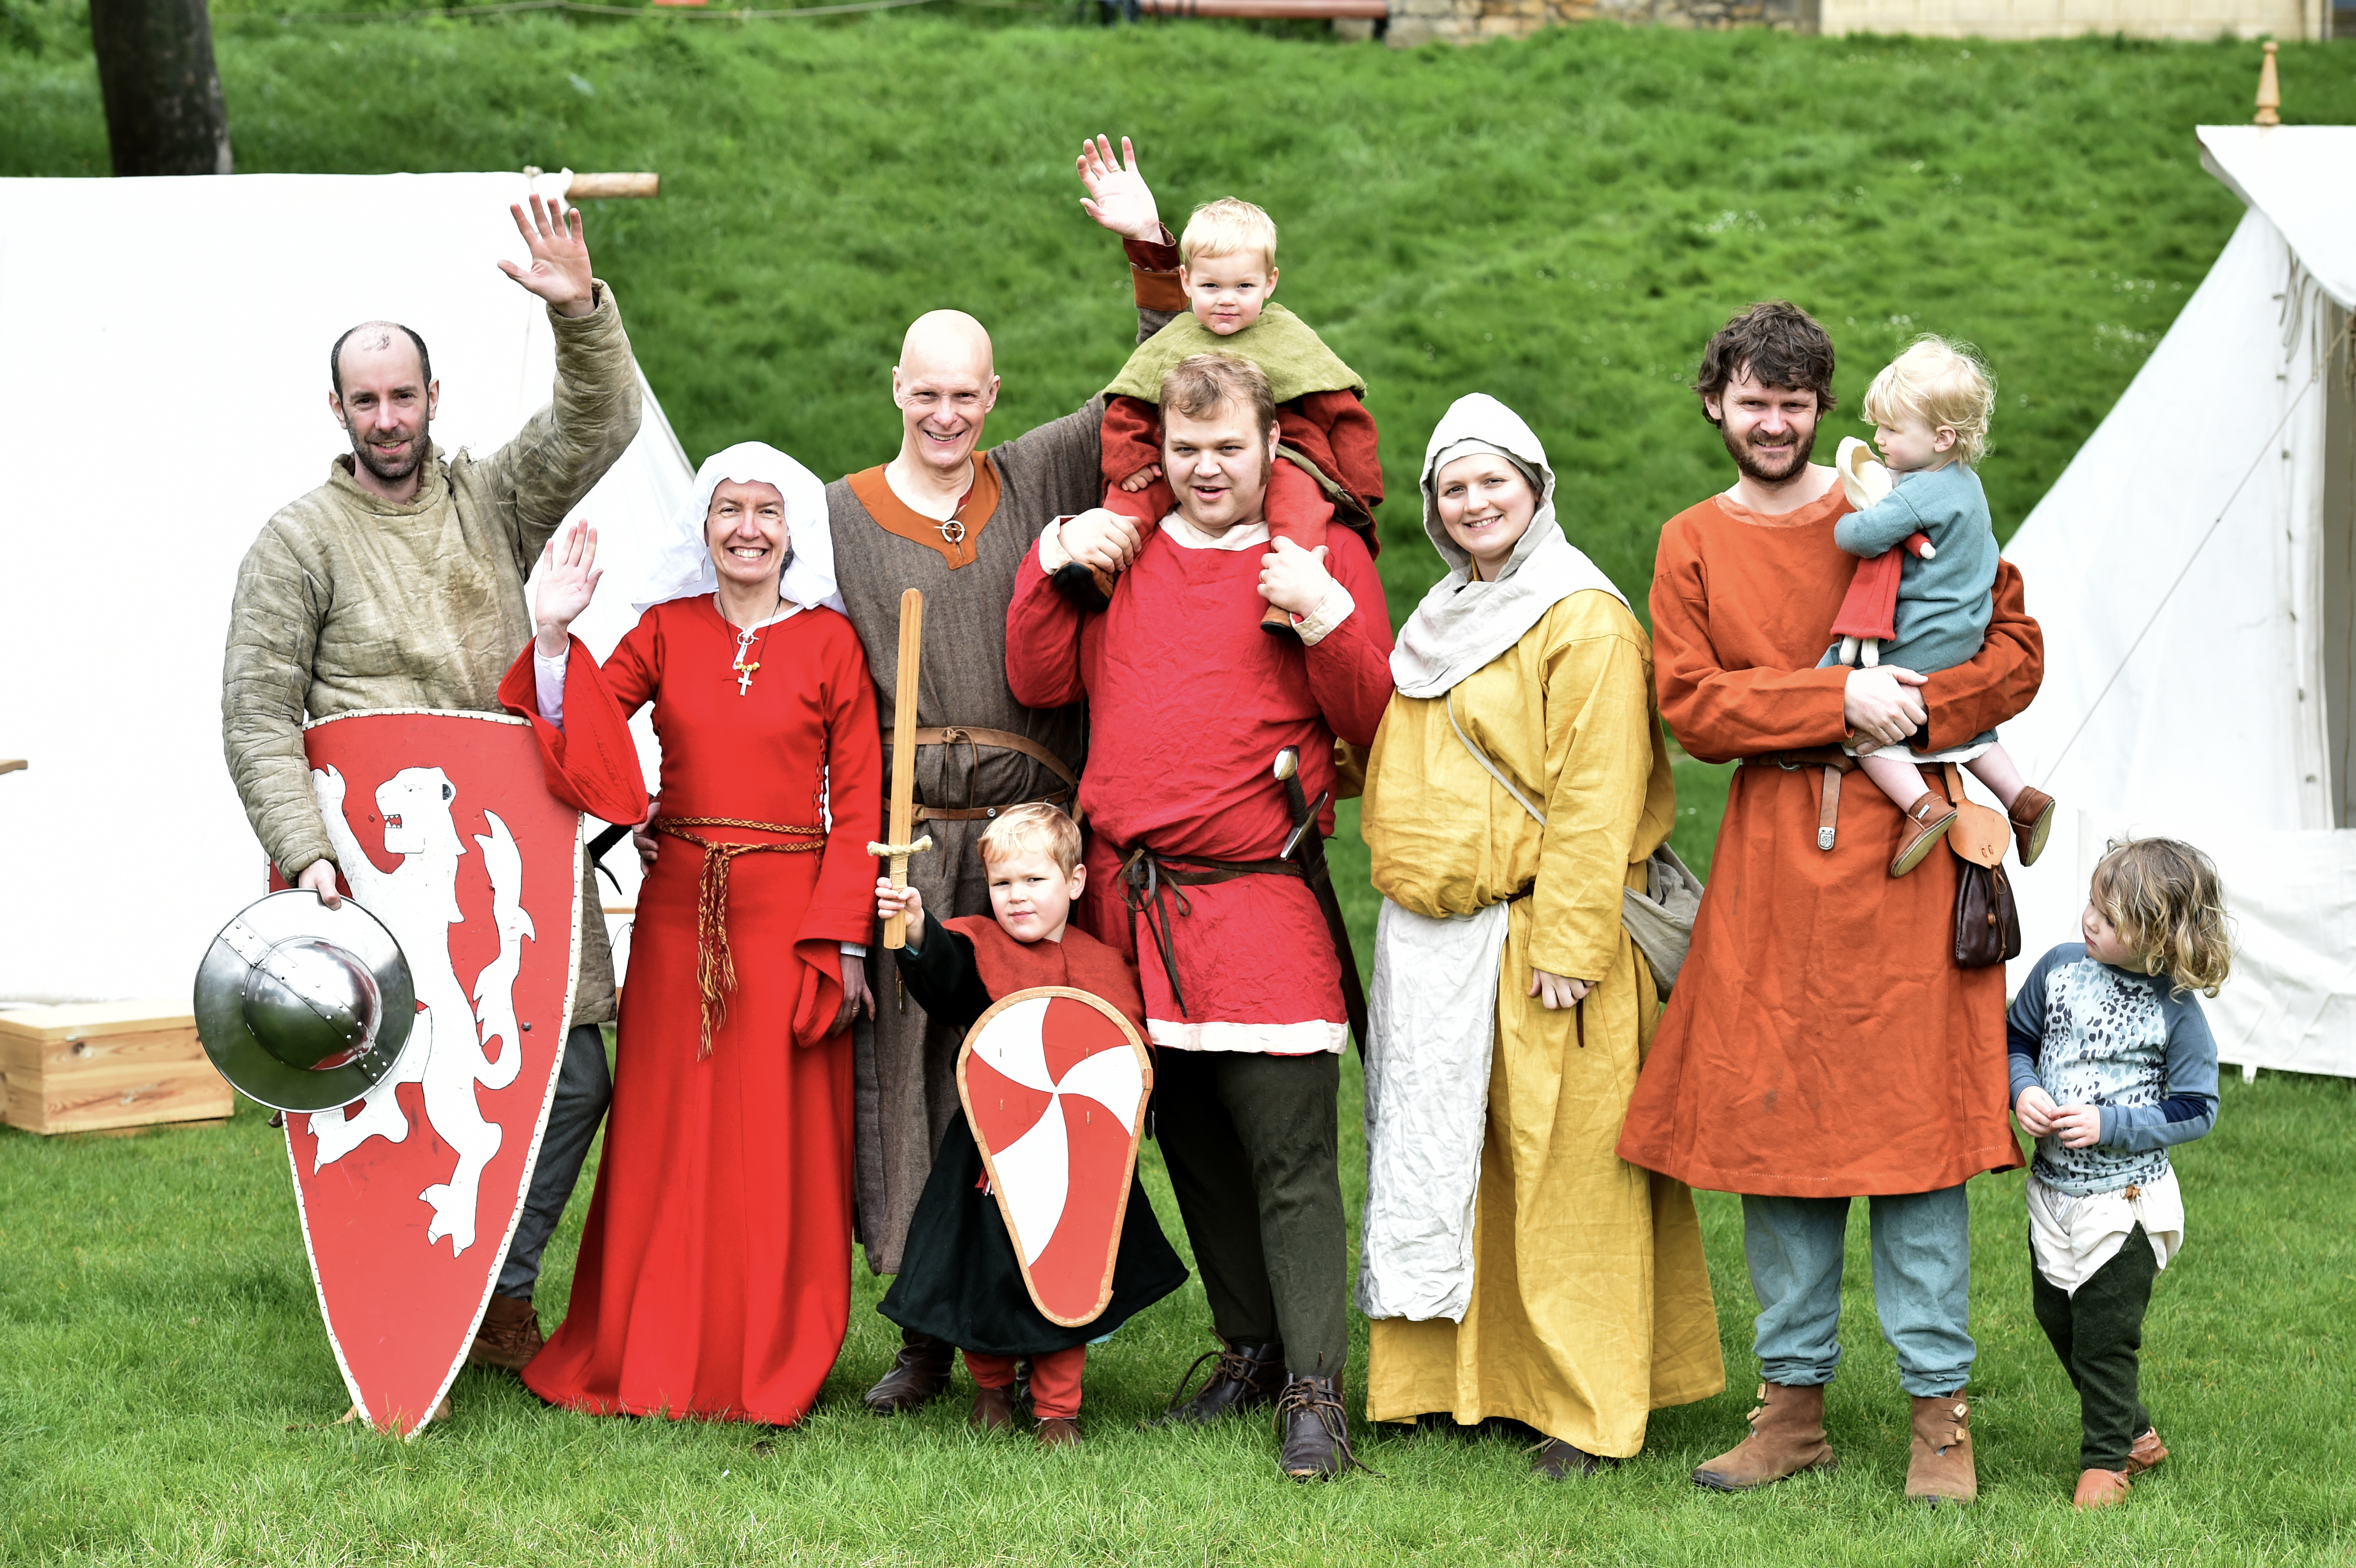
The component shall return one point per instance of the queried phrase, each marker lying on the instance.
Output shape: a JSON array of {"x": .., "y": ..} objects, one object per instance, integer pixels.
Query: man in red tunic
[
  {"x": 1188, "y": 705},
  {"x": 1821, "y": 1045}
]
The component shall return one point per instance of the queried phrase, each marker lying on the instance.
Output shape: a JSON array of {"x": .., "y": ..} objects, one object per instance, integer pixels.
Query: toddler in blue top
[
  {"x": 2112, "y": 1065},
  {"x": 1925, "y": 609}
]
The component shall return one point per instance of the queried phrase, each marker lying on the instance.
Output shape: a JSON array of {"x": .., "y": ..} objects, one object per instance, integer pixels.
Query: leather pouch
[{"x": 1988, "y": 920}]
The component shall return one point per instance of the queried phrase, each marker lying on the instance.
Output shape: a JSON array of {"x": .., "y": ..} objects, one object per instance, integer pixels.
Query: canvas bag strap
[{"x": 1488, "y": 767}]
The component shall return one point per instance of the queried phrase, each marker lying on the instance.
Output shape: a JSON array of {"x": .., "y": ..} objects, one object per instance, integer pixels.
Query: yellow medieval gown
[{"x": 1590, "y": 1303}]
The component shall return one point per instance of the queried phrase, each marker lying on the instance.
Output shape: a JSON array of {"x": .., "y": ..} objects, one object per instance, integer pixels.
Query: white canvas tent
[
  {"x": 163, "y": 390},
  {"x": 2194, "y": 569}
]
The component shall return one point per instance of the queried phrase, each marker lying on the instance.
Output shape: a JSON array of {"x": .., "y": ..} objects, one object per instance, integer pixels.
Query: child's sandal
[
  {"x": 1928, "y": 819},
  {"x": 2033, "y": 822}
]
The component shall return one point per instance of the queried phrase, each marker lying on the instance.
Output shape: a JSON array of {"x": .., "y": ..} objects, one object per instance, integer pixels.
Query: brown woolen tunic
[{"x": 907, "y": 1086}]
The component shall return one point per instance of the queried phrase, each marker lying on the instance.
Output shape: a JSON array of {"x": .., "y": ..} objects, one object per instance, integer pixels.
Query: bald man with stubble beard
[{"x": 956, "y": 521}]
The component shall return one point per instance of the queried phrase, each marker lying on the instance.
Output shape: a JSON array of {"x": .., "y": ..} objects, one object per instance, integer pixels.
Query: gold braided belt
[{"x": 715, "y": 970}]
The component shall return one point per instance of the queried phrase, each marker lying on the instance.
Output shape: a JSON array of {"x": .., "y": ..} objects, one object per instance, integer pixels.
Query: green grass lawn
[
  {"x": 165, "y": 1395},
  {"x": 1560, "y": 223}
]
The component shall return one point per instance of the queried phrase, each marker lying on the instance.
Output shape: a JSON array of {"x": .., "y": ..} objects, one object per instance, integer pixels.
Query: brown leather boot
[
  {"x": 918, "y": 1375},
  {"x": 1244, "y": 1378},
  {"x": 1787, "y": 1436},
  {"x": 2033, "y": 822},
  {"x": 1939, "y": 1466},
  {"x": 1277, "y": 621},
  {"x": 1314, "y": 1425},
  {"x": 2101, "y": 1489},
  {"x": 2147, "y": 1453},
  {"x": 1927, "y": 821},
  {"x": 1058, "y": 1432},
  {"x": 993, "y": 1409},
  {"x": 1558, "y": 1460},
  {"x": 510, "y": 1335}
]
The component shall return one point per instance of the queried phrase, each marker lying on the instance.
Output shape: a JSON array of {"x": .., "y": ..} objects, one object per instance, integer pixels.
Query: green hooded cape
[{"x": 1294, "y": 358}]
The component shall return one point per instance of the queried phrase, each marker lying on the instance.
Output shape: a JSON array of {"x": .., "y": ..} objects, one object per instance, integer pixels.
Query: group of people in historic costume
[{"x": 1536, "y": 1119}]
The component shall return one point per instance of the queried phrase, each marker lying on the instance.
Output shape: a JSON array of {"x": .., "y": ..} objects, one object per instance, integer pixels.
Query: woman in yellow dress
[{"x": 1513, "y": 1266}]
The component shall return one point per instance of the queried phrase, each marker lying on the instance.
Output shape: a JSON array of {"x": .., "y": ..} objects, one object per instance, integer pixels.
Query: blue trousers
[
  {"x": 584, "y": 1085},
  {"x": 1921, "y": 1286}
]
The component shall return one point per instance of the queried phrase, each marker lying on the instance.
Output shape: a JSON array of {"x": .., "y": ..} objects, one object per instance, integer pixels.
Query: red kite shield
[
  {"x": 1054, "y": 1084},
  {"x": 445, "y": 832}
]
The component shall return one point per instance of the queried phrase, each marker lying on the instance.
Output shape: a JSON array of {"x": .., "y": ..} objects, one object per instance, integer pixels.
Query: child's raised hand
[
  {"x": 2079, "y": 1126},
  {"x": 1118, "y": 195},
  {"x": 2035, "y": 1108},
  {"x": 891, "y": 901},
  {"x": 1142, "y": 477}
]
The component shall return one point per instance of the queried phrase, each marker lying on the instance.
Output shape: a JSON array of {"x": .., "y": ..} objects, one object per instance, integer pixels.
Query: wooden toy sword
[{"x": 903, "y": 759}]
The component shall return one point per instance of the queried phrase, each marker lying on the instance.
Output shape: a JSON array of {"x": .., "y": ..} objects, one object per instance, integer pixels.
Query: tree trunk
[{"x": 163, "y": 94}]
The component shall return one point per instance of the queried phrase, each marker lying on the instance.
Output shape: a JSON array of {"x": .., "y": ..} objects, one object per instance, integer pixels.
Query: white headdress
[
  {"x": 682, "y": 568},
  {"x": 1463, "y": 622}
]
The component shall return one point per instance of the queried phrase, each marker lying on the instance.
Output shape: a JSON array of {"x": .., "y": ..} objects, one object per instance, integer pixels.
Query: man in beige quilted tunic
[{"x": 400, "y": 584}]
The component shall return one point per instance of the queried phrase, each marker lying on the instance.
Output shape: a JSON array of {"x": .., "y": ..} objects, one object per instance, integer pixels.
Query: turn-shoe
[
  {"x": 1313, "y": 1426},
  {"x": 1939, "y": 1461},
  {"x": 1086, "y": 586},
  {"x": 1558, "y": 1460},
  {"x": 1787, "y": 1436},
  {"x": 2101, "y": 1489},
  {"x": 919, "y": 1374},
  {"x": 993, "y": 1409},
  {"x": 2147, "y": 1453},
  {"x": 1277, "y": 621},
  {"x": 1243, "y": 1378},
  {"x": 1927, "y": 821},
  {"x": 2033, "y": 822},
  {"x": 510, "y": 1335},
  {"x": 1058, "y": 1432}
]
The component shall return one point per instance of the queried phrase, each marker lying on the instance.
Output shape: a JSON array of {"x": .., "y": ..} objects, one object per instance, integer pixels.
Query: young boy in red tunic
[
  {"x": 1228, "y": 268},
  {"x": 960, "y": 1280}
]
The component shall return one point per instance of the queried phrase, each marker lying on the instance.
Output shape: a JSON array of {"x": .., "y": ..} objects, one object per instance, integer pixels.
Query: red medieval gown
[{"x": 714, "y": 1277}]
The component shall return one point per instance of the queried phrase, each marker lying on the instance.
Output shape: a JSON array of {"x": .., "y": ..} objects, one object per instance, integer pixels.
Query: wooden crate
[{"x": 88, "y": 1067}]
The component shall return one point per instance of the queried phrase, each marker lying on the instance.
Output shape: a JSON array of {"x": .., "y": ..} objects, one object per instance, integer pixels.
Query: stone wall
[{"x": 1415, "y": 21}]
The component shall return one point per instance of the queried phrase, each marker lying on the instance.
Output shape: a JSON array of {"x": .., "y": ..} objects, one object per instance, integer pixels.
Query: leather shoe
[
  {"x": 1314, "y": 1428},
  {"x": 1244, "y": 1376},
  {"x": 1558, "y": 1460},
  {"x": 918, "y": 1375},
  {"x": 1058, "y": 1432},
  {"x": 993, "y": 1409},
  {"x": 2101, "y": 1489},
  {"x": 2147, "y": 1453},
  {"x": 510, "y": 1335}
]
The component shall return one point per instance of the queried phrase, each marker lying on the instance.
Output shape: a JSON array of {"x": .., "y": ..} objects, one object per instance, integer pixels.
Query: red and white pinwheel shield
[{"x": 1054, "y": 1083}]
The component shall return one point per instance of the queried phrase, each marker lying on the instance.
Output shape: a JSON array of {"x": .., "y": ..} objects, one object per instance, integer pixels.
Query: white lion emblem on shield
[{"x": 448, "y": 1053}]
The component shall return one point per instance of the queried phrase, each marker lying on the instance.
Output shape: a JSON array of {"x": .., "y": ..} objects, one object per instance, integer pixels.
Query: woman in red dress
[{"x": 714, "y": 1277}]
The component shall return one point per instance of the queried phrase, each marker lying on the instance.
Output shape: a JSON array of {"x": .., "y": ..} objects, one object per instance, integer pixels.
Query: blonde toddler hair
[
  {"x": 2163, "y": 898},
  {"x": 1023, "y": 830},
  {"x": 1938, "y": 383},
  {"x": 1225, "y": 228}
]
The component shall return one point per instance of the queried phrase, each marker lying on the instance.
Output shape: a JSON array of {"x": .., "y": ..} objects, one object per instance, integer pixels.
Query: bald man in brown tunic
[{"x": 956, "y": 521}]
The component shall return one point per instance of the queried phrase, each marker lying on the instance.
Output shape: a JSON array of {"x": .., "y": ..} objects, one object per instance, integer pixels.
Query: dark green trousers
[
  {"x": 1249, "y": 1141},
  {"x": 2098, "y": 1334}
]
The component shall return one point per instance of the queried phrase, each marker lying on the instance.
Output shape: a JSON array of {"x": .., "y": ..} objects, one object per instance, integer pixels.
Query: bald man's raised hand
[
  {"x": 558, "y": 273},
  {"x": 1118, "y": 195}
]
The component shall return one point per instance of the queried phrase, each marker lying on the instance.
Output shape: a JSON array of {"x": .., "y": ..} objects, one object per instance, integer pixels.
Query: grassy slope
[{"x": 1559, "y": 224}]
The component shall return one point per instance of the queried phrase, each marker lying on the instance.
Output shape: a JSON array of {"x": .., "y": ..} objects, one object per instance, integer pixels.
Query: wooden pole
[
  {"x": 161, "y": 89},
  {"x": 2269, "y": 91},
  {"x": 903, "y": 754}
]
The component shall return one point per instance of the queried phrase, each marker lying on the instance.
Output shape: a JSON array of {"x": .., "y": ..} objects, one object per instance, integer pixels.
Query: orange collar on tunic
[
  {"x": 1824, "y": 508},
  {"x": 896, "y": 516}
]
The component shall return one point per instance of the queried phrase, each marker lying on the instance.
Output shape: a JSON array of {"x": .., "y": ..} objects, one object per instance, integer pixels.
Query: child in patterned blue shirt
[{"x": 2112, "y": 1064}]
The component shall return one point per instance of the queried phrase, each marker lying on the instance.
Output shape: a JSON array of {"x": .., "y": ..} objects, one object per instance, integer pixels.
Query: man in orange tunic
[{"x": 1821, "y": 1044}]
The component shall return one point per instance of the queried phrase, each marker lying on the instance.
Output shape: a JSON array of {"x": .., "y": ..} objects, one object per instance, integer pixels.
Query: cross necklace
[{"x": 744, "y": 666}]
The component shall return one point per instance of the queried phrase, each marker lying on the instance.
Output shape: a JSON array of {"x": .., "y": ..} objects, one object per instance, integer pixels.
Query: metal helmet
[{"x": 303, "y": 1007}]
